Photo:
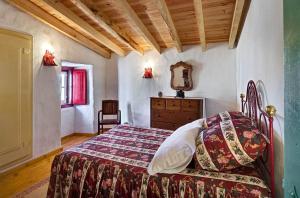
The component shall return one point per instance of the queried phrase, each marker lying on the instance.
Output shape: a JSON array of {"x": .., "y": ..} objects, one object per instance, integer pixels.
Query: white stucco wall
[
  {"x": 46, "y": 80},
  {"x": 111, "y": 75},
  {"x": 84, "y": 114},
  {"x": 213, "y": 77},
  {"x": 260, "y": 57},
  {"x": 79, "y": 118},
  {"x": 67, "y": 121}
]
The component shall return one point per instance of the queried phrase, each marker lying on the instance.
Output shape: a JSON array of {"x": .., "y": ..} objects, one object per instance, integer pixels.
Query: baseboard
[
  {"x": 92, "y": 134},
  {"x": 32, "y": 161},
  {"x": 79, "y": 134},
  {"x": 85, "y": 134}
]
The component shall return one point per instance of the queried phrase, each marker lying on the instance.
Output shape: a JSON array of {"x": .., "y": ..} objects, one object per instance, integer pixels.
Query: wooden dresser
[{"x": 171, "y": 113}]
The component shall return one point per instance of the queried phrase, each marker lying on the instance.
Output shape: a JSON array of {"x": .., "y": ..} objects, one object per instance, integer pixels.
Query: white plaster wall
[
  {"x": 214, "y": 77},
  {"x": 260, "y": 57},
  {"x": 100, "y": 83},
  {"x": 67, "y": 121},
  {"x": 111, "y": 86},
  {"x": 112, "y": 77},
  {"x": 46, "y": 80},
  {"x": 84, "y": 114}
]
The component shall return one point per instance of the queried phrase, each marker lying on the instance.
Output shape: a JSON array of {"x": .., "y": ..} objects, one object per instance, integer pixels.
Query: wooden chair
[{"x": 109, "y": 108}]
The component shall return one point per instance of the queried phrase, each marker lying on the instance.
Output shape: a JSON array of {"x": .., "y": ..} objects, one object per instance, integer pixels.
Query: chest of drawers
[{"x": 171, "y": 113}]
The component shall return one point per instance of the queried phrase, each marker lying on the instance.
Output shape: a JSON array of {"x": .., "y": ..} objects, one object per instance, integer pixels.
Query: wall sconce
[
  {"x": 48, "y": 59},
  {"x": 148, "y": 73}
]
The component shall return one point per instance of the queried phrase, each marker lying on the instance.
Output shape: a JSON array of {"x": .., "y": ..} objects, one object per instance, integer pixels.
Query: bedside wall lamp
[
  {"x": 148, "y": 73},
  {"x": 48, "y": 59}
]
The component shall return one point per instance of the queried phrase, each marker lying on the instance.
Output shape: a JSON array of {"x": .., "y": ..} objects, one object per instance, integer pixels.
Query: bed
[{"x": 114, "y": 164}]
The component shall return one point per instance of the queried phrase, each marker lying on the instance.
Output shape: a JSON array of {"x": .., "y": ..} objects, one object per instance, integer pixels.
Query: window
[
  {"x": 79, "y": 92},
  {"x": 66, "y": 87},
  {"x": 73, "y": 87}
]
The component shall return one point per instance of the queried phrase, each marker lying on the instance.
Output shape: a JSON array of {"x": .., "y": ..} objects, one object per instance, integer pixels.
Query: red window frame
[
  {"x": 79, "y": 87},
  {"x": 76, "y": 87},
  {"x": 69, "y": 71}
]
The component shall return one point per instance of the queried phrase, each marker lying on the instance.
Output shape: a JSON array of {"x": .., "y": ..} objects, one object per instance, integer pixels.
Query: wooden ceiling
[{"x": 121, "y": 26}]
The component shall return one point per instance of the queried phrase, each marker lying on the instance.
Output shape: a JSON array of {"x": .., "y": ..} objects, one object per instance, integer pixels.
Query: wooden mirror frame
[{"x": 186, "y": 66}]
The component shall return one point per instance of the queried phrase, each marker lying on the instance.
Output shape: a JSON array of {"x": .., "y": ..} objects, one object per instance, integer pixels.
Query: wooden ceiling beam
[
  {"x": 66, "y": 15},
  {"x": 200, "y": 23},
  {"x": 166, "y": 15},
  {"x": 122, "y": 33},
  {"x": 237, "y": 15},
  {"x": 137, "y": 24},
  {"x": 35, "y": 11},
  {"x": 101, "y": 23}
]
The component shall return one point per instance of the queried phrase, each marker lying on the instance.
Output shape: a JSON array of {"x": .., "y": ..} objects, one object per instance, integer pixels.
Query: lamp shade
[
  {"x": 48, "y": 59},
  {"x": 148, "y": 73}
]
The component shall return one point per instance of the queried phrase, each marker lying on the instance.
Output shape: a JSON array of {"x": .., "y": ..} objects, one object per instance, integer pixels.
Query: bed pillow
[
  {"x": 223, "y": 116},
  {"x": 228, "y": 145},
  {"x": 177, "y": 151}
]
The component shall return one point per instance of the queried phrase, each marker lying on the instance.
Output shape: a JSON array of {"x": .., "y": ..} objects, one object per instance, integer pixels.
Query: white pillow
[{"x": 177, "y": 151}]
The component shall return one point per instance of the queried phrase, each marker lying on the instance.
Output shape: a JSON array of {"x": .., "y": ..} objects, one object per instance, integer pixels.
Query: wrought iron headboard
[{"x": 263, "y": 120}]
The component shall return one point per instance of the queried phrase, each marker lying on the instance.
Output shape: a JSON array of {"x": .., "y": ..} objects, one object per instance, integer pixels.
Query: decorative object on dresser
[
  {"x": 180, "y": 94},
  {"x": 171, "y": 113},
  {"x": 160, "y": 94}
]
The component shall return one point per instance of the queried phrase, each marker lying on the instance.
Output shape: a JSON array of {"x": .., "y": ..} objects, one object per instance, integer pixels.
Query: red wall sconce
[
  {"x": 48, "y": 59},
  {"x": 148, "y": 73}
]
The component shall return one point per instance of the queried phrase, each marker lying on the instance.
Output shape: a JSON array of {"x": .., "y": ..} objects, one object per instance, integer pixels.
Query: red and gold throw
[
  {"x": 114, "y": 164},
  {"x": 223, "y": 116},
  {"x": 228, "y": 145}
]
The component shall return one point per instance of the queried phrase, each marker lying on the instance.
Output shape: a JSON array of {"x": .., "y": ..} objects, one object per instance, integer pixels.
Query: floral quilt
[{"x": 114, "y": 164}]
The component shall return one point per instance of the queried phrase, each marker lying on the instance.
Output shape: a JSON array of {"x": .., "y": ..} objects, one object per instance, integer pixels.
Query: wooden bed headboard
[{"x": 262, "y": 118}]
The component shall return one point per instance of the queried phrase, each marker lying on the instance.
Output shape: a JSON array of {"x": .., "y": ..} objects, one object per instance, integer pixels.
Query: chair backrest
[{"x": 110, "y": 107}]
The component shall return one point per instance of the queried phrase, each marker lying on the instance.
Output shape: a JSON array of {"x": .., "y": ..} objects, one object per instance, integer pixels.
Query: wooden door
[
  {"x": 291, "y": 98},
  {"x": 15, "y": 97}
]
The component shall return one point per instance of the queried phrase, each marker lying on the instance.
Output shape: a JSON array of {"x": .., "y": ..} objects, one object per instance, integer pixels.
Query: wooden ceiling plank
[
  {"x": 166, "y": 15},
  {"x": 100, "y": 22},
  {"x": 200, "y": 22},
  {"x": 136, "y": 22},
  {"x": 238, "y": 11},
  {"x": 66, "y": 14},
  {"x": 119, "y": 29},
  {"x": 35, "y": 11}
]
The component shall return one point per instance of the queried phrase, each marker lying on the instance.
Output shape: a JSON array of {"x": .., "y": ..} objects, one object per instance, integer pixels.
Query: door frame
[{"x": 24, "y": 35}]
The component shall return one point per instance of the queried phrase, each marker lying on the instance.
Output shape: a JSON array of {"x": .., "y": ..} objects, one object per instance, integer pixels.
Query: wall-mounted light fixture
[
  {"x": 148, "y": 73},
  {"x": 48, "y": 59}
]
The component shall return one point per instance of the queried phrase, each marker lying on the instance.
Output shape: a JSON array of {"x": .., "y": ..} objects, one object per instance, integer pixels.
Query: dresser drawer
[
  {"x": 190, "y": 105},
  {"x": 173, "y": 104},
  {"x": 171, "y": 113},
  {"x": 167, "y": 116},
  {"x": 165, "y": 125},
  {"x": 187, "y": 117},
  {"x": 159, "y": 115},
  {"x": 158, "y": 103}
]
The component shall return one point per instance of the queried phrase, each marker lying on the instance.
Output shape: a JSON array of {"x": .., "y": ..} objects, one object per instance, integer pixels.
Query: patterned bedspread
[{"x": 114, "y": 164}]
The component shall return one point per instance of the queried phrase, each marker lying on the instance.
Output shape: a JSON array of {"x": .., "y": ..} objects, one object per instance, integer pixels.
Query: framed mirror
[{"x": 181, "y": 76}]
